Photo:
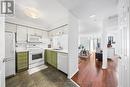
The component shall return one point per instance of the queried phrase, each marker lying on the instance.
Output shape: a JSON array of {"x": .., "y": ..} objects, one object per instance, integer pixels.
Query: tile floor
[{"x": 49, "y": 77}]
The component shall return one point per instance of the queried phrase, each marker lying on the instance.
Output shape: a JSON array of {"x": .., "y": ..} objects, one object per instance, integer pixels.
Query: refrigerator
[{"x": 9, "y": 54}]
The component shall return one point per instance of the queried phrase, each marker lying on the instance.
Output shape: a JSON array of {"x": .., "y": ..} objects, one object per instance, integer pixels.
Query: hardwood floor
[
  {"x": 49, "y": 77},
  {"x": 91, "y": 74}
]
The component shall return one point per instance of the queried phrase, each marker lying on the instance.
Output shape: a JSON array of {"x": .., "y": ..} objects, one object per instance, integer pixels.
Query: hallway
[{"x": 92, "y": 75}]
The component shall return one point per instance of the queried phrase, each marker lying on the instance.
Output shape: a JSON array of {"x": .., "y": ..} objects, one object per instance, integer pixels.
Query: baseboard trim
[
  {"x": 74, "y": 83},
  {"x": 36, "y": 69},
  {"x": 69, "y": 77}
]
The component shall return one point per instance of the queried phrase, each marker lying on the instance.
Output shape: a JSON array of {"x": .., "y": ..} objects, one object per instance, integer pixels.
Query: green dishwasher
[{"x": 22, "y": 62}]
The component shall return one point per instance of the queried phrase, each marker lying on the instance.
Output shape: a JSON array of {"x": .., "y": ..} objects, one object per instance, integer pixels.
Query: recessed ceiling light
[
  {"x": 92, "y": 16},
  {"x": 32, "y": 12}
]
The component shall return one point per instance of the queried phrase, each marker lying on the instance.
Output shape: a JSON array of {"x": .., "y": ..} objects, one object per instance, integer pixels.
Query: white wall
[
  {"x": 2, "y": 51},
  {"x": 104, "y": 48},
  {"x": 73, "y": 45}
]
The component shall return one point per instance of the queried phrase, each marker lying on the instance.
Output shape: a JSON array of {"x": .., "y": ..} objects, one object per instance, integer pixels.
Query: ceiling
[
  {"x": 52, "y": 12},
  {"x": 49, "y": 11},
  {"x": 92, "y": 13}
]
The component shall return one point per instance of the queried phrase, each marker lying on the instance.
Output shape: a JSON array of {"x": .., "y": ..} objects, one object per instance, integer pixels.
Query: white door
[
  {"x": 9, "y": 45},
  {"x": 9, "y": 54},
  {"x": 121, "y": 50},
  {"x": 123, "y": 44},
  {"x": 2, "y": 53}
]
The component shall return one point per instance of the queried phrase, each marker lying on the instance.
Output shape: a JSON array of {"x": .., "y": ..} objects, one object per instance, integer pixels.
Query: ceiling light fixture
[
  {"x": 92, "y": 16},
  {"x": 32, "y": 12}
]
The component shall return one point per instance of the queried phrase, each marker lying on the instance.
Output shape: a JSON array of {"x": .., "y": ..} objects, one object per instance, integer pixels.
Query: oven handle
[{"x": 34, "y": 53}]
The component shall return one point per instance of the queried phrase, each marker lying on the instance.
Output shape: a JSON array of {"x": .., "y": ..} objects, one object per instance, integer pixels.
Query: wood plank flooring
[
  {"x": 49, "y": 77},
  {"x": 91, "y": 74}
]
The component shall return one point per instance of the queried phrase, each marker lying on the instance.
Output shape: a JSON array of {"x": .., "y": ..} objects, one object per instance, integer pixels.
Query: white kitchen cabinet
[
  {"x": 62, "y": 62},
  {"x": 21, "y": 34},
  {"x": 31, "y": 31},
  {"x": 59, "y": 31},
  {"x": 35, "y": 32},
  {"x": 45, "y": 38},
  {"x": 44, "y": 34},
  {"x": 63, "y": 40},
  {"x": 38, "y": 32},
  {"x": 10, "y": 27}
]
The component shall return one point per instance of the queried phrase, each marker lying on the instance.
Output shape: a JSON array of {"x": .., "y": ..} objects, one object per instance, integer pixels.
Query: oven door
[{"x": 35, "y": 57}]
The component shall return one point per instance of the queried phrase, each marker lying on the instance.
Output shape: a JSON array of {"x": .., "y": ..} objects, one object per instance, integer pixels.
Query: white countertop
[
  {"x": 25, "y": 50},
  {"x": 21, "y": 50},
  {"x": 61, "y": 51}
]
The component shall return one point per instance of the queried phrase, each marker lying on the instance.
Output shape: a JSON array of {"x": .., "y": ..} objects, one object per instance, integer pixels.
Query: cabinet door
[
  {"x": 45, "y": 38},
  {"x": 44, "y": 34},
  {"x": 22, "y": 61},
  {"x": 54, "y": 58},
  {"x": 10, "y": 27},
  {"x": 48, "y": 57},
  {"x": 21, "y": 34},
  {"x": 62, "y": 62},
  {"x": 31, "y": 31},
  {"x": 38, "y": 32}
]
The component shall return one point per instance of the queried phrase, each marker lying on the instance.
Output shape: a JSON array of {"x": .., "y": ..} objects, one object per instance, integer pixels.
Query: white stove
[{"x": 36, "y": 59}]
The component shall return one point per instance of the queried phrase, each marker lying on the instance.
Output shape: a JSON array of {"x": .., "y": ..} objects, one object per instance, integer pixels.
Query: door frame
[
  {"x": 124, "y": 25},
  {"x": 2, "y": 52}
]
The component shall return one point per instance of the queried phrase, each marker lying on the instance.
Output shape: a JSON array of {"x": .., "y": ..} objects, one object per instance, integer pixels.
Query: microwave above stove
[{"x": 33, "y": 39}]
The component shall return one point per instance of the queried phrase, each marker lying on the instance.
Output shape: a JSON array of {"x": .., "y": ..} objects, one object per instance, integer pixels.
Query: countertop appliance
[{"x": 9, "y": 54}]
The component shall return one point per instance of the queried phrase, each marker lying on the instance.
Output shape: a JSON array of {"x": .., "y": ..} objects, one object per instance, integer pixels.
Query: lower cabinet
[
  {"x": 51, "y": 58},
  {"x": 48, "y": 56},
  {"x": 21, "y": 61},
  {"x": 62, "y": 62},
  {"x": 57, "y": 59}
]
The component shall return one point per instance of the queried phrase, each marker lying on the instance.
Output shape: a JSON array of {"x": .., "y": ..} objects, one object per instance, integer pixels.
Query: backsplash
[{"x": 24, "y": 46}]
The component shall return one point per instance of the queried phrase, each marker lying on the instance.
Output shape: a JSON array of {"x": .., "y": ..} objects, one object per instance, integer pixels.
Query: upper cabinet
[
  {"x": 44, "y": 34},
  {"x": 38, "y": 33},
  {"x": 35, "y": 32},
  {"x": 31, "y": 31},
  {"x": 21, "y": 34},
  {"x": 59, "y": 31},
  {"x": 45, "y": 38},
  {"x": 10, "y": 27}
]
